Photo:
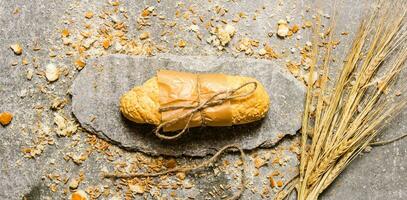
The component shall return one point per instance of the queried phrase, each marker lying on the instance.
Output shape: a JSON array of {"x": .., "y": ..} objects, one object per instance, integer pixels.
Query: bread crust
[{"x": 141, "y": 104}]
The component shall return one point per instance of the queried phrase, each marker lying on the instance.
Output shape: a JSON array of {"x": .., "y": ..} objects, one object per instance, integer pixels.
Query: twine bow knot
[{"x": 216, "y": 99}]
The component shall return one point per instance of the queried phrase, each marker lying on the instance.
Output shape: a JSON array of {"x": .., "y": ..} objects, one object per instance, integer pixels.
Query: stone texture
[
  {"x": 97, "y": 89},
  {"x": 379, "y": 174}
]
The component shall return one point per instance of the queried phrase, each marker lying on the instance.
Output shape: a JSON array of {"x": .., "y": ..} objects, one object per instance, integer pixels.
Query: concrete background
[{"x": 380, "y": 174}]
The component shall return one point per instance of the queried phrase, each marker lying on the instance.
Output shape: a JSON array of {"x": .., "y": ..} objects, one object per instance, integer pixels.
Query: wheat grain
[{"x": 359, "y": 106}]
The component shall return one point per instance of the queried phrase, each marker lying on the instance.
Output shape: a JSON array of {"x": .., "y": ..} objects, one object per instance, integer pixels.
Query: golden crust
[
  {"x": 249, "y": 109},
  {"x": 141, "y": 104}
]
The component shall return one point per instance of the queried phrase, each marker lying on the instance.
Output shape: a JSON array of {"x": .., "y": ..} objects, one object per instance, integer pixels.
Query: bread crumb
[
  {"x": 272, "y": 182},
  {"x": 283, "y": 29},
  {"x": 73, "y": 184},
  {"x": 144, "y": 35},
  {"x": 225, "y": 34},
  {"x": 80, "y": 64},
  {"x": 51, "y": 72},
  {"x": 136, "y": 188},
  {"x": 89, "y": 15},
  {"x": 182, "y": 43},
  {"x": 295, "y": 28},
  {"x": 259, "y": 162},
  {"x": 65, "y": 32},
  {"x": 29, "y": 74},
  {"x": 308, "y": 24},
  {"x": 79, "y": 195},
  {"x": 280, "y": 183},
  {"x": 5, "y": 118},
  {"x": 17, "y": 49},
  {"x": 106, "y": 44},
  {"x": 181, "y": 175}
]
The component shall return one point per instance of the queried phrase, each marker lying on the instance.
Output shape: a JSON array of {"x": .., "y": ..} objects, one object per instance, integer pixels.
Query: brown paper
[{"x": 187, "y": 89}]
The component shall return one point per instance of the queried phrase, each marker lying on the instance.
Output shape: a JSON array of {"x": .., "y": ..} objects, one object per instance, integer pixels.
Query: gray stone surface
[
  {"x": 97, "y": 89},
  {"x": 379, "y": 174}
]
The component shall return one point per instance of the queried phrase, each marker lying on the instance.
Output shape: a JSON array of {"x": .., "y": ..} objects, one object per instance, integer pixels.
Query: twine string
[
  {"x": 216, "y": 99},
  {"x": 185, "y": 169}
]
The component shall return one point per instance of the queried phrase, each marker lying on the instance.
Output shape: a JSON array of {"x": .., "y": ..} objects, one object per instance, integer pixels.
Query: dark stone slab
[{"x": 97, "y": 88}]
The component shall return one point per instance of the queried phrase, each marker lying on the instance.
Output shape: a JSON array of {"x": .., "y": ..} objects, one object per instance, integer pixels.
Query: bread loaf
[{"x": 142, "y": 103}]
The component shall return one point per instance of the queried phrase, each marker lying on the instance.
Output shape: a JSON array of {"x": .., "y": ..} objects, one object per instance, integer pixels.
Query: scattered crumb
[
  {"x": 272, "y": 182},
  {"x": 295, "y": 28},
  {"x": 73, "y": 184},
  {"x": 269, "y": 52},
  {"x": 29, "y": 74},
  {"x": 65, "y": 32},
  {"x": 181, "y": 175},
  {"x": 24, "y": 61},
  {"x": 80, "y": 64},
  {"x": 225, "y": 34},
  {"x": 64, "y": 127},
  {"x": 58, "y": 103},
  {"x": 17, "y": 49},
  {"x": 246, "y": 45},
  {"x": 106, "y": 43},
  {"x": 89, "y": 15},
  {"x": 136, "y": 188},
  {"x": 293, "y": 68},
  {"x": 79, "y": 195},
  {"x": 182, "y": 43},
  {"x": 308, "y": 24},
  {"x": 221, "y": 36},
  {"x": 280, "y": 183},
  {"x": 5, "y": 118},
  {"x": 51, "y": 72},
  {"x": 259, "y": 162},
  {"x": 144, "y": 35},
  {"x": 282, "y": 30}
]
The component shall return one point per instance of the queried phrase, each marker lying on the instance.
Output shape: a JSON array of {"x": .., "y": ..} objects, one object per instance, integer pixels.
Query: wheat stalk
[{"x": 359, "y": 105}]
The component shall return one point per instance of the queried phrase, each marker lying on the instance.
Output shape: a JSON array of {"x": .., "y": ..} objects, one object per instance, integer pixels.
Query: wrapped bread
[{"x": 179, "y": 100}]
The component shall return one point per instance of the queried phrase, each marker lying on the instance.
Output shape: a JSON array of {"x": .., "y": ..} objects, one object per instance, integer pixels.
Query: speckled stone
[{"x": 379, "y": 174}]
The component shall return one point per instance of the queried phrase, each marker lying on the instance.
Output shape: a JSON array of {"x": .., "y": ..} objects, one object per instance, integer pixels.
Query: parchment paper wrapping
[{"x": 186, "y": 89}]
